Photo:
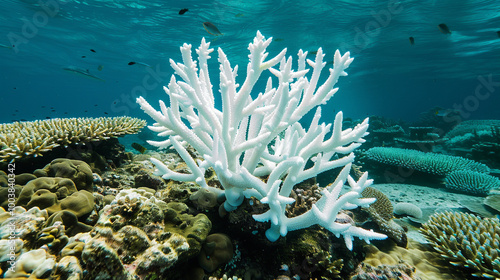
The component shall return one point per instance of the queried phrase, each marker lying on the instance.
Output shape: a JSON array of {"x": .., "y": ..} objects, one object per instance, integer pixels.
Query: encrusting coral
[
  {"x": 466, "y": 240},
  {"x": 253, "y": 138},
  {"x": 138, "y": 235},
  {"x": 27, "y": 139}
]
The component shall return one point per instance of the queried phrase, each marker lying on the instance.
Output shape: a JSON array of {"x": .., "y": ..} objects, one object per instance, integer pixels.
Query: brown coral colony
[{"x": 31, "y": 139}]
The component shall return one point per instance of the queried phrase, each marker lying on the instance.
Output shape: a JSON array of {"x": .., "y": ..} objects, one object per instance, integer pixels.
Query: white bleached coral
[{"x": 260, "y": 135}]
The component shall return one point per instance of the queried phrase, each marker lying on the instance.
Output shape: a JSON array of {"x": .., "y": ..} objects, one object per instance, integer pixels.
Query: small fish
[
  {"x": 105, "y": 113},
  {"x": 95, "y": 105},
  {"x": 239, "y": 15},
  {"x": 445, "y": 112},
  {"x": 5, "y": 46},
  {"x": 139, "y": 63},
  {"x": 83, "y": 56},
  {"x": 278, "y": 40},
  {"x": 498, "y": 33},
  {"x": 444, "y": 28},
  {"x": 99, "y": 68},
  {"x": 47, "y": 118},
  {"x": 82, "y": 72},
  {"x": 92, "y": 50},
  {"x": 138, "y": 147},
  {"x": 211, "y": 28},
  {"x": 183, "y": 11},
  {"x": 412, "y": 41}
]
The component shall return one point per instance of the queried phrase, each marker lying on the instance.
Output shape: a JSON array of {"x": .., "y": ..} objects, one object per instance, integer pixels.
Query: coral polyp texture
[
  {"x": 433, "y": 163},
  {"x": 257, "y": 134},
  {"x": 472, "y": 182},
  {"x": 466, "y": 240},
  {"x": 26, "y": 139}
]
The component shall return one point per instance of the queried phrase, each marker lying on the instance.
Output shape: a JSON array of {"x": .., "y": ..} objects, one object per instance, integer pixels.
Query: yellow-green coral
[
  {"x": 26, "y": 139},
  {"x": 466, "y": 240}
]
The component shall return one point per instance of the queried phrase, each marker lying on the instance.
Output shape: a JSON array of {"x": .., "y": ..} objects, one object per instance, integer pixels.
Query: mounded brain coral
[
  {"x": 56, "y": 194},
  {"x": 27, "y": 139},
  {"x": 76, "y": 170},
  {"x": 432, "y": 163},
  {"x": 466, "y": 240}
]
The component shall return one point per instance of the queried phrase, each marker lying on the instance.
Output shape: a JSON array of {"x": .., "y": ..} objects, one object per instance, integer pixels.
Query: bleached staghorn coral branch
[{"x": 250, "y": 138}]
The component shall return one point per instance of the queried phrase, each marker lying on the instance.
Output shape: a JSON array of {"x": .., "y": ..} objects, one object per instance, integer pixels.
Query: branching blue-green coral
[
  {"x": 467, "y": 241},
  {"x": 433, "y": 163},
  {"x": 471, "y": 182}
]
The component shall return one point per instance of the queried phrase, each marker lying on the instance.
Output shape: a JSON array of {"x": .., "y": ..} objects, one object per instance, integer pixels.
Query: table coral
[
  {"x": 432, "y": 163},
  {"x": 26, "y": 139},
  {"x": 471, "y": 182}
]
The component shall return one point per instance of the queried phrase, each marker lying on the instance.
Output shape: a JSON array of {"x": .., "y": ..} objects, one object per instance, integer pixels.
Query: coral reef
[
  {"x": 470, "y": 127},
  {"x": 26, "y": 139},
  {"x": 471, "y": 182},
  {"x": 420, "y": 259},
  {"x": 56, "y": 194},
  {"x": 380, "y": 212},
  {"x": 467, "y": 241},
  {"x": 432, "y": 163},
  {"x": 253, "y": 138},
  {"x": 138, "y": 235},
  {"x": 76, "y": 170},
  {"x": 389, "y": 272}
]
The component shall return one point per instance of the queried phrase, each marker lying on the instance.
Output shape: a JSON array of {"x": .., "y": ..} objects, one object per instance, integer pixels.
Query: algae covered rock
[
  {"x": 217, "y": 250},
  {"x": 141, "y": 235},
  {"x": 70, "y": 221}
]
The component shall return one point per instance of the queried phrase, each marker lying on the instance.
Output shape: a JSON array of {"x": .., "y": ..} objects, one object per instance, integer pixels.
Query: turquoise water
[{"x": 390, "y": 77}]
